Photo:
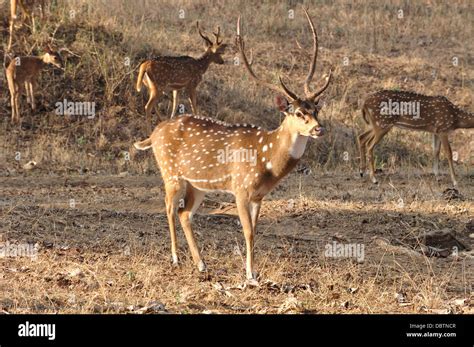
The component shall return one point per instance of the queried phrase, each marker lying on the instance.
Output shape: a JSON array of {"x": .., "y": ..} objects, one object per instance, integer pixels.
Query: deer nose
[{"x": 319, "y": 131}]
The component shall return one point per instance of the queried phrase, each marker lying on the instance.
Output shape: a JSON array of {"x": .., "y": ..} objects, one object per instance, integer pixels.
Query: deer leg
[
  {"x": 175, "y": 101},
  {"x": 436, "y": 151},
  {"x": 254, "y": 212},
  {"x": 192, "y": 99},
  {"x": 363, "y": 138},
  {"x": 243, "y": 208},
  {"x": 32, "y": 95},
  {"x": 173, "y": 191},
  {"x": 449, "y": 155},
  {"x": 149, "y": 107},
  {"x": 375, "y": 138},
  {"x": 192, "y": 200}
]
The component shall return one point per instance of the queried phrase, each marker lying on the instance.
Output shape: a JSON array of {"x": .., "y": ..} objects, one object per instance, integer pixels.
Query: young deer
[
  {"x": 196, "y": 155},
  {"x": 22, "y": 74},
  {"x": 27, "y": 7},
  {"x": 162, "y": 74},
  {"x": 435, "y": 114}
]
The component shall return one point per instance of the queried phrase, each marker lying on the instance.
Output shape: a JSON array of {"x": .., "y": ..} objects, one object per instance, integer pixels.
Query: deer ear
[{"x": 281, "y": 103}]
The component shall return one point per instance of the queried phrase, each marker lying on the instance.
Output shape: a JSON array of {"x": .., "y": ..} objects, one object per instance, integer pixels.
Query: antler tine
[
  {"x": 314, "y": 95},
  {"x": 312, "y": 67},
  {"x": 240, "y": 44},
  {"x": 217, "y": 35},
  {"x": 202, "y": 35}
]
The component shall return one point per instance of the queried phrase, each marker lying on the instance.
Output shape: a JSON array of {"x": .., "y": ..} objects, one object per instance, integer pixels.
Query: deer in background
[
  {"x": 166, "y": 73},
  {"x": 436, "y": 114},
  {"x": 196, "y": 155},
  {"x": 27, "y": 7},
  {"x": 22, "y": 74}
]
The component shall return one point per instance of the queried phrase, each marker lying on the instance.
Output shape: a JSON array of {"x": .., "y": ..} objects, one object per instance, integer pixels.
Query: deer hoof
[
  {"x": 202, "y": 267},
  {"x": 252, "y": 282}
]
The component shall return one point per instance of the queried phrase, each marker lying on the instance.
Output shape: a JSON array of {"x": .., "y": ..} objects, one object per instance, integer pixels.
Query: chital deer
[
  {"x": 27, "y": 8},
  {"x": 22, "y": 74},
  {"x": 435, "y": 114},
  {"x": 165, "y": 73},
  {"x": 196, "y": 155}
]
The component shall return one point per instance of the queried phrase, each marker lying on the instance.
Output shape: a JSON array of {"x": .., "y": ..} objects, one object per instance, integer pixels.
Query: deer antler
[
  {"x": 209, "y": 42},
  {"x": 241, "y": 45},
  {"x": 217, "y": 35},
  {"x": 313, "y": 95}
]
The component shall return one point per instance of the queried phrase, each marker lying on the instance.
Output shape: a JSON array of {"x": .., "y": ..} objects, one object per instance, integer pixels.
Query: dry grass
[{"x": 111, "y": 252}]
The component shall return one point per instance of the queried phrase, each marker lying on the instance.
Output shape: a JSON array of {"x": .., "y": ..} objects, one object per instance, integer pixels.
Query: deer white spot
[
  {"x": 269, "y": 166},
  {"x": 265, "y": 148}
]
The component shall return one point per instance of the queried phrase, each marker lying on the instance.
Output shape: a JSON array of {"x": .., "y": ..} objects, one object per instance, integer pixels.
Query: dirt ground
[{"x": 103, "y": 245}]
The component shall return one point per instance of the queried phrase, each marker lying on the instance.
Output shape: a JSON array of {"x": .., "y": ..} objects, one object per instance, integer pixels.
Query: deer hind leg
[
  {"x": 173, "y": 191},
  {"x": 436, "y": 151},
  {"x": 449, "y": 155},
  {"x": 363, "y": 138},
  {"x": 374, "y": 139},
  {"x": 149, "y": 107},
  {"x": 245, "y": 214},
  {"x": 175, "y": 101},
  {"x": 192, "y": 200}
]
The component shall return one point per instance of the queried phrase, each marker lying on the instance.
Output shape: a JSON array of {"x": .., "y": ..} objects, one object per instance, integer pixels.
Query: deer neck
[
  {"x": 465, "y": 120},
  {"x": 203, "y": 62},
  {"x": 285, "y": 148}
]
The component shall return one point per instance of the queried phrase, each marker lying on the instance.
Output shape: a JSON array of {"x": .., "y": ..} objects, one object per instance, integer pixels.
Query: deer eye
[{"x": 300, "y": 114}]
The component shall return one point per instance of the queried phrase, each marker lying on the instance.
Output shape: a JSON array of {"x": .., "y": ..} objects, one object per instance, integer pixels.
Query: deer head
[
  {"x": 213, "y": 49},
  {"x": 301, "y": 112},
  {"x": 53, "y": 57}
]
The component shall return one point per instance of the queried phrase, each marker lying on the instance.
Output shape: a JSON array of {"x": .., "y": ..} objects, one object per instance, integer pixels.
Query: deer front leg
[
  {"x": 31, "y": 88},
  {"x": 192, "y": 200},
  {"x": 449, "y": 155},
  {"x": 175, "y": 101},
  {"x": 192, "y": 99},
  {"x": 436, "y": 151},
  {"x": 243, "y": 208}
]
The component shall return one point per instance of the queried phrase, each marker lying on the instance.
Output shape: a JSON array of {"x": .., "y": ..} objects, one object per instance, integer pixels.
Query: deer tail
[{"x": 143, "y": 145}]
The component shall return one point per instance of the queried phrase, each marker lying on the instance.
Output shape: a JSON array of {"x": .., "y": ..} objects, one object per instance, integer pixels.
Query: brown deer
[
  {"x": 196, "y": 155},
  {"x": 165, "y": 73},
  {"x": 22, "y": 74},
  {"x": 27, "y": 7},
  {"x": 435, "y": 114}
]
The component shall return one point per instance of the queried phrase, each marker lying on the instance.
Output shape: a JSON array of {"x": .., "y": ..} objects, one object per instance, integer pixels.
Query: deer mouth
[{"x": 317, "y": 132}]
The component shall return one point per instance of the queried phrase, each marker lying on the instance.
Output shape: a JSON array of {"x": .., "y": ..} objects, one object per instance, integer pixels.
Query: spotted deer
[
  {"x": 22, "y": 74},
  {"x": 27, "y": 8},
  {"x": 166, "y": 73},
  {"x": 197, "y": 155},
  {"x": 386, "y": 109}
]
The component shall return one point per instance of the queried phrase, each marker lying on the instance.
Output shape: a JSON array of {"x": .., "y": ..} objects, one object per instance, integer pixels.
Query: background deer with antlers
[
  {"x": 190, "y": 154},
  {"x": 22, "y": 74},
  {"x": 436, "y": 114},
  {"x": 162, "y": 74}
]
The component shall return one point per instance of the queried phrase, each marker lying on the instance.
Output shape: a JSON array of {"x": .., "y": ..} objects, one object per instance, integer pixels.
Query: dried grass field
[{"x": 92, "y": 210}]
